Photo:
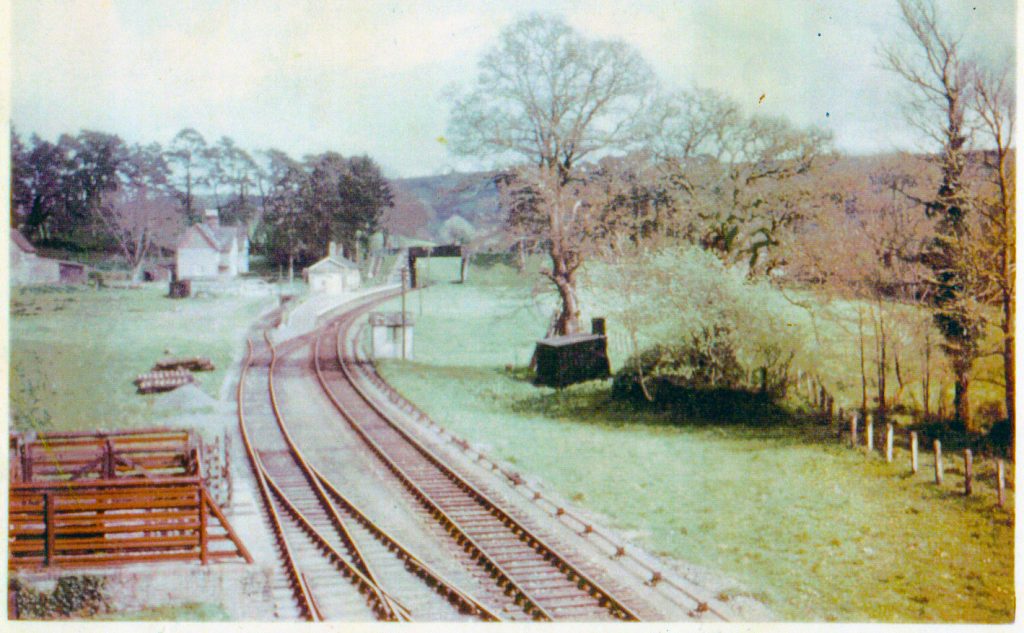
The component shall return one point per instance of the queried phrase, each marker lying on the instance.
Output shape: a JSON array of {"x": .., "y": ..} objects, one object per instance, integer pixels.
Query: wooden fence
[
  {"x": 861, "y": 433},
  {"x": 97, "y": 498},
  {"x": 77, "y": 456},
  {"x": 90, "y": 523}
]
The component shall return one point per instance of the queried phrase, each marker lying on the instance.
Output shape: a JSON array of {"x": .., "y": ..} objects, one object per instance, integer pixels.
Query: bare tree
[
  {"x": 994, "y": 103},
  {"x": 742, "y": 178},
  {"x": 941, "y": 81},
  {"x": 550, "y": 97},
  {"x": 138, "y": 221}
]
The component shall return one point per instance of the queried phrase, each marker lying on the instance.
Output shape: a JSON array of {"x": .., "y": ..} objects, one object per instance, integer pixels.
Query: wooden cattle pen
[{"x": 97, "y": 499}]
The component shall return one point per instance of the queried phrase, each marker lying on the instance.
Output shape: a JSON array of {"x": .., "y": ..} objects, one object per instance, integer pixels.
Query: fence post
[
  {"x": 1000, "y": 482},
  {"x": 203, "y": 558},
  {"x": 968, "y": 472},
  {"x": 888, "y": 442},
  {"x": 853, "y": 430},
  {"x": 51, "y": 529},
  {"x": 938, "y": 462},
  {"x": 913, "y": 451},
  {"x": 869, "y": 433},
  {"x": 109, "y": 469}
]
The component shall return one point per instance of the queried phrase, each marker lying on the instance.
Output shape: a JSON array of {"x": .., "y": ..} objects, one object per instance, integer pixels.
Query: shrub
[{"x": 73, "y": 596}]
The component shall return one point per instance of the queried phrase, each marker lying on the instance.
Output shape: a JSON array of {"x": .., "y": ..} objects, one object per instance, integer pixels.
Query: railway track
[
  {"x": 527, "y": 575},
  {"x": 338, "y": 563}
]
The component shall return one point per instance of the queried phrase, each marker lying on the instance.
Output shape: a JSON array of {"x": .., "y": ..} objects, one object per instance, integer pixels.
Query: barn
[
  {"x": 28, "y": 268},
  {"x": 333, "y": 274},
  {"x": 209, "y": 250}
]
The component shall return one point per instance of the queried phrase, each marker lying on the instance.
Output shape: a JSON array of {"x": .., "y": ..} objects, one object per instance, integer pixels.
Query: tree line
[
  {"x": 604, "y": 164},
  {"x": 94, "y": 191}
]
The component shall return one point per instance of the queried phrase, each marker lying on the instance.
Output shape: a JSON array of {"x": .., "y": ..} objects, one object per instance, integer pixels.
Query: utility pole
[{"x": 405, "y": 278}]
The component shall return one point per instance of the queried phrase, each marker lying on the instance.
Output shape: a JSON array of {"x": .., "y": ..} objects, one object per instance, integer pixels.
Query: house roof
[
  {"x": 333, "y": 261},
  {"x": 21, "y": 242},
  {"x": 218, "y": 238}
]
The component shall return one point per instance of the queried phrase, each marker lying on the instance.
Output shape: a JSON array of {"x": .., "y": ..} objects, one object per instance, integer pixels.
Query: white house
[
  {"x": 210, "y": 250},
  {"x": 27, "y": 267},
  {"x": 333, "y": 274}
]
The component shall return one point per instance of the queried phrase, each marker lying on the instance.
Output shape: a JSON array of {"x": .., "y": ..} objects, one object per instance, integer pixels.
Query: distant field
[
  {"x": 813, "y": 529},
  {"x": 76, "y": 350}
]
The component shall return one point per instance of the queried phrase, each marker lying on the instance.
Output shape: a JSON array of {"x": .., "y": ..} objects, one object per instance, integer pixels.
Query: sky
[{"x": 370, "y": 77}]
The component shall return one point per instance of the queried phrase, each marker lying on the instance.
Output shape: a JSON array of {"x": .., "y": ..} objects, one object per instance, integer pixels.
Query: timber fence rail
[
  {"x": 107, "y": 522},
  {"x": 90, "y": 455},
  {"x": 880, "y": 440}
]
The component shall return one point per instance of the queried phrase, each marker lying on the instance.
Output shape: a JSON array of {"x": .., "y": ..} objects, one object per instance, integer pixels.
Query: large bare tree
[
  {"x": 547, "y": 98},
  {"x": 941, "y": 80},
  {"x": 138, "y": 221}
]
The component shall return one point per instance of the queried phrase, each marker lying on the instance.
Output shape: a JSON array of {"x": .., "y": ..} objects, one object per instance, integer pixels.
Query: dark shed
[
  {"x": 72, "y": 272},
  {"x": 566, "y": 360}
]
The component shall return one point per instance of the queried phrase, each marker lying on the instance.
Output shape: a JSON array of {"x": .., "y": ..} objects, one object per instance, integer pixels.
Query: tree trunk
[
  {"x": 1008, "y": 344},
  {"x": 926, "y": 381},
  {"x": 137, "y": 270},
  {"x": 883, "y": 366},
  {"x": 291, "y": 268},
  {"x": 568, "y": 318},
  {"x": 863, "y": 371},
  {"x": 961, "y": 401}
]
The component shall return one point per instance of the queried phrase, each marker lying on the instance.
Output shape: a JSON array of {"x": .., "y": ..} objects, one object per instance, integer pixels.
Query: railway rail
[
  {"x": 337, "y": 561},
  {"x": 534, "y": 578}
]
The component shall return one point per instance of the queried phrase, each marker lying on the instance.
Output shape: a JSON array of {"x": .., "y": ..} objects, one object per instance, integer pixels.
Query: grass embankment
[
  {"x": 76, "y": 350},
  {"x": 813, "y": 529}
]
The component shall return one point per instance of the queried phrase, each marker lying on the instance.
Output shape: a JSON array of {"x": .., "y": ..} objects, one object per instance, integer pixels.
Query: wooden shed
[{"x": 573, "y": 358}]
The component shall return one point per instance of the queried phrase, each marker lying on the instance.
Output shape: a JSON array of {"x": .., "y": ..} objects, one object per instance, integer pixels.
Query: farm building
[
  {"x": 210, "y": 250},
  {"x": 27, "y": 267},
  {"x": 333, "y": 274}
]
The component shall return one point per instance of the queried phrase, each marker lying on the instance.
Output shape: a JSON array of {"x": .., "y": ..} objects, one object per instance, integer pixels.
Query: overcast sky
[{"x": 368, "y": 77}]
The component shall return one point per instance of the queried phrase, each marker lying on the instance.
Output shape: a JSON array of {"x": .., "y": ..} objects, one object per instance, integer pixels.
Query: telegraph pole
[{"x": 405, "y": 277}]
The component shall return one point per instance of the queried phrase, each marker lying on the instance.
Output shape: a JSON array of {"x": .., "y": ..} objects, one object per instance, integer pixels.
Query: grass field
[
  {"x": 76, "y": 350},
  {"x": 814, "y": 530}
]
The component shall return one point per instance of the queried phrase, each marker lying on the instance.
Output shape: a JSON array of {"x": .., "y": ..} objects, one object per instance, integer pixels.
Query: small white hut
[{"x": 333, "y": 274}]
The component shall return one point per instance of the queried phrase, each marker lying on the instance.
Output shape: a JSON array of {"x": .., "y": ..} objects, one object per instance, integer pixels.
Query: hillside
[{"x": 424, "y": 205}]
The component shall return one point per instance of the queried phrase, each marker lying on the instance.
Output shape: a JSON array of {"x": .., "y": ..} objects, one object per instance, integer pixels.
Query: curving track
[
  {"x": 520, "y": 572},
  {"x": 340, "y": 565}
]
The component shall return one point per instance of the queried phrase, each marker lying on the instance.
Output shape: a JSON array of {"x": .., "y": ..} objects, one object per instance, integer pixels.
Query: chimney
[
  {"x": 212, "y": 219},
  {"x": 332, "y": 249}
]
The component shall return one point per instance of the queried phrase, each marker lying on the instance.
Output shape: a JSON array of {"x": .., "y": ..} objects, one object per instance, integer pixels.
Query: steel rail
[
  {"x": 360, "y": 570},
  {"x": 605, "y": 598},
  {"x": 297, "y": 581},
  {"x": 382, "y": 608},
  {"x": 503, "y": 578},
  {"x": 441, "y": 585},
  {"x": 459, "y": 598},
  {"x": 557, "y": 511}
]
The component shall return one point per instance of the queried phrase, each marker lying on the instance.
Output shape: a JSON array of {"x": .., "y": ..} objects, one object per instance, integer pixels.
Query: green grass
[
  {"x": 76, "y": 350},
  {"x": 815, "y": 530},
  {"x": 189, "y": 612}
]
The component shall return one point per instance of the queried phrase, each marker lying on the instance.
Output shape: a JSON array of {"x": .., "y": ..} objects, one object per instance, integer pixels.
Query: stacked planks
[{"x": 157, "y": 381}]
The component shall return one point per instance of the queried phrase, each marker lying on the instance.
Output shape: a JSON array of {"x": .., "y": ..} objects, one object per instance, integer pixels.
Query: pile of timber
[
  {"x": 158, "y": 381},
  {"x": 191, "y": 363}
]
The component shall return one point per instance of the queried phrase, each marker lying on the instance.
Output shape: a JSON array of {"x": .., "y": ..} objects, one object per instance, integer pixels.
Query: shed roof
[
  {"x": 21, "y": 242},
  {"x": 568, "y": 339},
  {"x": 333, "y": 261}
]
